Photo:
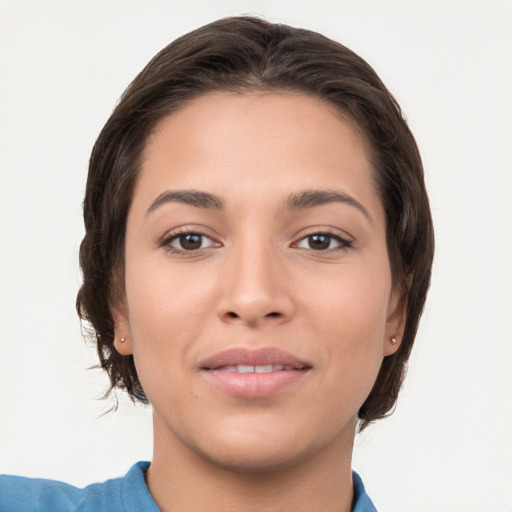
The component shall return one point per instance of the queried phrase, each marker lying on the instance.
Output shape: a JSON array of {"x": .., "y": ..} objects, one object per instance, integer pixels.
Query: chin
[
  {"x": 259, "y": 450},
  {"x": 252, "y": 461}
]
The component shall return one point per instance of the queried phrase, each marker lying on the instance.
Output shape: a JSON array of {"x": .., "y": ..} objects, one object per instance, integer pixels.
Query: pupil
[
  {"x": 319, "y": 241},
  {"x": 190, "y": 241}
]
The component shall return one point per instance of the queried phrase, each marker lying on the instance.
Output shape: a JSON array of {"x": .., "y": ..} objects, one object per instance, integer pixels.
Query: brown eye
[
  {"x": 319, "y": 242},
  {"x": 188, "y": 242},
  {"x": 323, "y": 242}
]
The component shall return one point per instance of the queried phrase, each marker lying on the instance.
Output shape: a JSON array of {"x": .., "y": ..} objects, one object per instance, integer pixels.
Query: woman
[{"x": 257, "y": 255}]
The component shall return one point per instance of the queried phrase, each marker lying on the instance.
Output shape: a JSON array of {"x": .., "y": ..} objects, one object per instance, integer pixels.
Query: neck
[{"x": 181, "y": 480}]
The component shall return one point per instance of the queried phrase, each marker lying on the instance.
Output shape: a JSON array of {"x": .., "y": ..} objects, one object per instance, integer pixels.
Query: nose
[{"x": 255, "y": 288}]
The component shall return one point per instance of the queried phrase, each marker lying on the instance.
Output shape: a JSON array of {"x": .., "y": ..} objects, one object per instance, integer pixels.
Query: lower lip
[{"x": 254, "y": 385}]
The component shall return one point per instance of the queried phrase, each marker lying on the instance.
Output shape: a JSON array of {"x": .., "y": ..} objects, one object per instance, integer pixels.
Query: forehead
[
  {"x": 221, "y": 116},
  {"x": 256, "y": 143}
]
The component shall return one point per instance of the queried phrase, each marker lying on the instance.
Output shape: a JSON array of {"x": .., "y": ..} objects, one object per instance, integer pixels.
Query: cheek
[
  {"x": 163, "y": 297},
  {"x": 350, "y": 314},
  {"x": 164, "y": 309},
  {"x": 355, "y": 302}
]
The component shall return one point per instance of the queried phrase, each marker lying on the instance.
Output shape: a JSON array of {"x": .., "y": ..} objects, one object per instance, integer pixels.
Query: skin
[{"x": 255, "y": 281}]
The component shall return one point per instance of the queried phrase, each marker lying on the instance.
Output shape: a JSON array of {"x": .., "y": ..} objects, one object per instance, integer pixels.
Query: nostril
[{"x": 250, "y": 317}]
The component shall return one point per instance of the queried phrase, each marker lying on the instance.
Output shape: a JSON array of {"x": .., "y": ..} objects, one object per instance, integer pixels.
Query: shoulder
[
  {"x": 36, "y": 494},
  {"x": 19, "y": 494},
  {"x": 362, "y": 502}
]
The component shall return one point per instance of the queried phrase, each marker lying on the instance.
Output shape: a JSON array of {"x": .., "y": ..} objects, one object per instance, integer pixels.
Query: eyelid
[
  {"x": 178, "y": 231},
  {"x": 346, "y": 241}
]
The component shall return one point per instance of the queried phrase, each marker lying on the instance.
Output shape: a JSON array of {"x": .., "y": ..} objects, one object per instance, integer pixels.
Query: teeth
[
  {"x": 263, "y": 368},
  {"x": 242, "y": 368},
  {"x": 268, "y": 368}
]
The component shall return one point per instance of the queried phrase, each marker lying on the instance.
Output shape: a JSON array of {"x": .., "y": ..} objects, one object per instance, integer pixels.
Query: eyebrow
[
  {"x": 297, "y": 201},
  {"x": 312, "y": 198},
  {"x": 191, "y": 197}
]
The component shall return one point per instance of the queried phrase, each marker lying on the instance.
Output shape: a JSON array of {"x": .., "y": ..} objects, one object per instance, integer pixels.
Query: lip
[
  {"x": 217, "y": 369},
  {"x": 254, "y": 357}
]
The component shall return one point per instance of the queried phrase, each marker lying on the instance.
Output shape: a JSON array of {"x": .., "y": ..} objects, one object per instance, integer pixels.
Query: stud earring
[
  {"x": 122, "y": 340},
  {"x": 393, "y": 340}
]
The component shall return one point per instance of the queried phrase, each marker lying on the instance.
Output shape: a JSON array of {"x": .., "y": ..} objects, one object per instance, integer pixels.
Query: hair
[{"x": 240, "y": 54}]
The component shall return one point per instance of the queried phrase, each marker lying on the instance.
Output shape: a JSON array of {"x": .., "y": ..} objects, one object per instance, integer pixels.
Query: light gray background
[{"x": 63, "y": 64}]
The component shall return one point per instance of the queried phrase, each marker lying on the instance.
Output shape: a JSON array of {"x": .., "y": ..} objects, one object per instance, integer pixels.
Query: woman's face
[{"x": 259, "y": 303}]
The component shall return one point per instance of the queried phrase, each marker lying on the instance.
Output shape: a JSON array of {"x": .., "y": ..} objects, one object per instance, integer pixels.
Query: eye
[
  {"x": 188, "y": 242},
  {"x": 323, "y": 242}
]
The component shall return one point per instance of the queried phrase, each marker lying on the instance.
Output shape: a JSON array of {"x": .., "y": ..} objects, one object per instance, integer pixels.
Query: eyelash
[
  {"x": 167, "y": 241},
  {"x": 344, "y": 242}
]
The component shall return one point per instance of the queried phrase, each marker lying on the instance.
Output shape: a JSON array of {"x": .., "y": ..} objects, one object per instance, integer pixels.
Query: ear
[
  {"x": 122, "y": 332},
  {"x": 394, "y": 323}
]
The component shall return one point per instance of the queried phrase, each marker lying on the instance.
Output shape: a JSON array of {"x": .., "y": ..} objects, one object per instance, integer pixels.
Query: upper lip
[{"x": 253, "y": 357}]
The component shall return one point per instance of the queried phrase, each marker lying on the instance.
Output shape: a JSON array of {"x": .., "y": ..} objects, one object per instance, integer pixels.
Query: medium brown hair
[{"x": 240, "y": 54}]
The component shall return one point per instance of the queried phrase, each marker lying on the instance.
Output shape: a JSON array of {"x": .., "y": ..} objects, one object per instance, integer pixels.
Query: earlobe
[
  {"x": 394, "y": 325},
  {"x": 391, "y": 345},
  {"x": 123, "y": 345},
  {"x": 122, "y": 337}
]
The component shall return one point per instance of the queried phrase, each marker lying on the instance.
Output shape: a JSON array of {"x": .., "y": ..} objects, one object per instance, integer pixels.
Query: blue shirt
[{"x": 127, "y": 494}]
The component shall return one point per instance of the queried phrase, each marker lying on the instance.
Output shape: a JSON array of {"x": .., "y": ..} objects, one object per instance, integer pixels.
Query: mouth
[
  {"x": 261, "y": 368},
  {"x": 262, "y": 360},
  {"x": 260, "y": 373}
]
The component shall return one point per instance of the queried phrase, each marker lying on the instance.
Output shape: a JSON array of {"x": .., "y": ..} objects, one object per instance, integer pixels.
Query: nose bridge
[{"x": 254, "y": 287}]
